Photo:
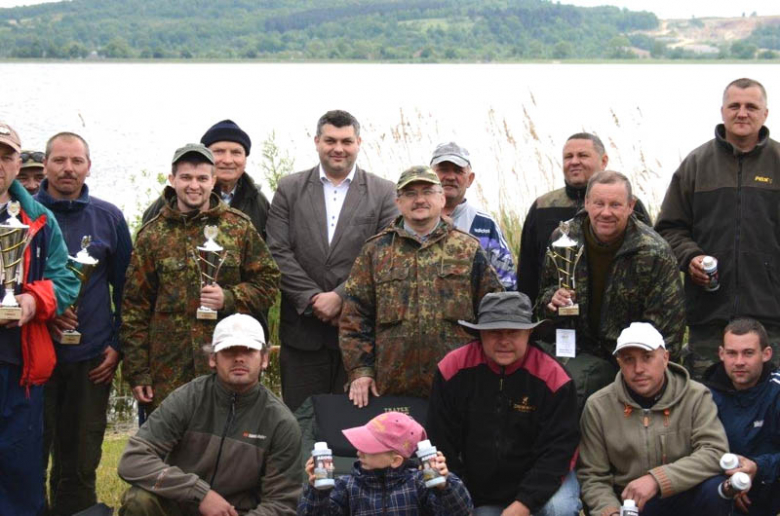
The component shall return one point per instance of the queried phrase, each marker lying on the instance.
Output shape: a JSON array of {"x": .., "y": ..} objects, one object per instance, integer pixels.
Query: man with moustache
[
  {"x": 318, "y": 222},
  {"x": 27, "y": 355},
  {"x": 76, "y": 396},
  {"x": 452, "y": 163},
  {"x": 408, "y": 289},
  {"x": 626, "y": 273},
  {"x": 746, "y": 388},
  {"x": 221, "y": 444},
  {"x": 722, "y": 202},
  {"x": 583, "y": 155},
  {"x": 161, "y": 336},
  {"x": 230, "y": 146}
]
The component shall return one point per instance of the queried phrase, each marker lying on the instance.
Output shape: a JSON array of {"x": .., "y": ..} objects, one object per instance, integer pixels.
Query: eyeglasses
[
  {"x": 414, "y": 194},
  {"x": 35, "y": 156}
]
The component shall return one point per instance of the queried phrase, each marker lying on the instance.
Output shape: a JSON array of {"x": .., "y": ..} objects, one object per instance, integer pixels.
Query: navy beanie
[{"x": 227, "y": 131}]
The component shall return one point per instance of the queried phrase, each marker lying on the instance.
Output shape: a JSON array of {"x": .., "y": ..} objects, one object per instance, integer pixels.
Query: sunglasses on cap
[{"x": 36, "y": 156}]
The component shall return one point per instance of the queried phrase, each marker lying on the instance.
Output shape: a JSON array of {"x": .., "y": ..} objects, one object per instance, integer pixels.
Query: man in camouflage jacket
[
  {"x": 162, "y": 338},
  {"x": 407, "y": 290},
  {"x": 639, "y": 282}
]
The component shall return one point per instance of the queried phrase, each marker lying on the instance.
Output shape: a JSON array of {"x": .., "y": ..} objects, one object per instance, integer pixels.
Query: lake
[{"x": 513, "y": 118}]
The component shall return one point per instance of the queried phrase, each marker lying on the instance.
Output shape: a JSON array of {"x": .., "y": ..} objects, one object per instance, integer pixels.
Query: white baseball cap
[
  {"x": 238, "y": 330},
  {"x": 640, "y": 335}
]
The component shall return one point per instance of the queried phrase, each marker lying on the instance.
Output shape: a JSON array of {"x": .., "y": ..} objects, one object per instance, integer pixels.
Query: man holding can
[{"x": 722, "y": 203}]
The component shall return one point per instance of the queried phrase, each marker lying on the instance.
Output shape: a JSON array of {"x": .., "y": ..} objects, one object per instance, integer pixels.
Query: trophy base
[
  {"x": 569, "y": 310},
  {"x": 206, "y": 314},
  {"x": 10, "y": 313},
  {"x": 70, "y": 337}
]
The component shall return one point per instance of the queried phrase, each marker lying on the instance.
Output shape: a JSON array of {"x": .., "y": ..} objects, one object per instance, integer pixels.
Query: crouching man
[
  {"x": 220, "y": 444},
  {"x": 652, "y": 436}
]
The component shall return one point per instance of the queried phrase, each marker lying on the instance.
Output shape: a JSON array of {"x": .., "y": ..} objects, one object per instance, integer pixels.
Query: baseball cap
[
  {"x": 197, "y": 148},
  {"x": 238, "y": 330},
  {"x": 451, "y": 152},
  {"x": 640, "y": 335},
  {"x": 32, "y": 159},
  {"x": 10, "y": 137},
  {"x": 418, "y": 173},
  {"x": 391, "y": 431}
]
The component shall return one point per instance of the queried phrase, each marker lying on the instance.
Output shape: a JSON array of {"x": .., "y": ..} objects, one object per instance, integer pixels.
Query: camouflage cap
[
  {"x": 451, "y": 152},
  {"x": 10, "y": 137},
  {"x": 32, "y": 159},
  {"x": 418, "y": 173},
  {"x": 197, "y": 148}
]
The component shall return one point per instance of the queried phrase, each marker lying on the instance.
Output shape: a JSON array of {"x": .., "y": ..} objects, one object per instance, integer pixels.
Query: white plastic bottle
[
  {"x": 738, "y": 483},
  {"x": 427, "y": 454},
  {"x": 729, "y": 461},
  {"x": 629, "y": 508},
  {"x": 323, "y": 466}
]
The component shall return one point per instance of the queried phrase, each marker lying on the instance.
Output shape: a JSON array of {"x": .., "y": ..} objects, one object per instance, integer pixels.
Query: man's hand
[
  {"x": 143, "y": 393},
  {"x": 211, "y": 296},
  {"x": 66, "y": 321},
  {"x": 27, "y": 303},
  {"x": 696, "y": 271},
  {"x": 745, "y": 466},
  {"x": 358, "y": 390},
  {"x": 104, "y": 372},
  {"x": 326, "y": 306},
  {"x": 641, "y": 490},
  {"x": 516, "y": 509},
  {"x": 562, "y": 297},
  {"x": 214, "y": 505}
]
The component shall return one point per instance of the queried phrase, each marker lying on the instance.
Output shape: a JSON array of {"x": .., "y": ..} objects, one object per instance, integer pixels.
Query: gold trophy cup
[
  {"x": 210, "y": 257},
  {"x": 565, "y": 253},
  {"x": 13, "y": 241},
  {"x": 82, "y": 265}
]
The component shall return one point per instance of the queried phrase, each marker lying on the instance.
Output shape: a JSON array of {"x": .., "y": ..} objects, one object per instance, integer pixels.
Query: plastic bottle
[
  {"x": 731, "y": 487},
  {"x": 710, "y": 266},
  {"x": 427, "y": 454},
  {"x": 323, "y": 466},
  {"x": 629, "y": 508},
  {"x": 729, "y": 461}
]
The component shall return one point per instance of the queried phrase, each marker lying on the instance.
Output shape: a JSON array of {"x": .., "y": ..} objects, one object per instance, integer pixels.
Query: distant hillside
[{"x": 395, "y": 30}]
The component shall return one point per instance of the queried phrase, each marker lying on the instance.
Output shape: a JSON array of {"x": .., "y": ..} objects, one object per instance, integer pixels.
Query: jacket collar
[
  {"x": 678, "y": 382},
  {"x": 62, "y": 205},
  {"x": 716, "y": 379},
  {"x": 171, "y": 211},
  {"x": 245, "y": 187},
  {"x": 442, "y": 230},
  {"x": 575, "y": 193},
  {"x": 225, "y": 395},
  {"x": 631, "y": 243},
  {"x": 386, "y": 477},
  {"x": 720, "y": 137}
]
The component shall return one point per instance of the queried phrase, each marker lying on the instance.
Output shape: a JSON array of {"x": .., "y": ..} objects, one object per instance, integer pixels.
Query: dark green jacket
[
  {"x": 643, "y": 284},
  {"x": 176, "y": 453}
]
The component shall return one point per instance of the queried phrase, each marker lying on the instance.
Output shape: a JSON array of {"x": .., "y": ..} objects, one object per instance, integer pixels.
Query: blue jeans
[
  {"x": 565, "y": 501},
  {"x": 701, "y": 500}
]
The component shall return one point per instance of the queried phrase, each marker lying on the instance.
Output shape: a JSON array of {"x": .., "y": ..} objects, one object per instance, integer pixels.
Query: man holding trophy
[
  {"x": 87, "y": 333},
  {"x": 197, "y": 262},
  {"x": 605, "y": 269},
  {"x": 34, "y": 259}
]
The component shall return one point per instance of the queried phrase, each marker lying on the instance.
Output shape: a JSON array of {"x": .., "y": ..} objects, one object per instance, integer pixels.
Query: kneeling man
[
  {"x": 504, "y": 413},
  {"x": 220, "y": 444},
  {"x": 652, "y": 436}
]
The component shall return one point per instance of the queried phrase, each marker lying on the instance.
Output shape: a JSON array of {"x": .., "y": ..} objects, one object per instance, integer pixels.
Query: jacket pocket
[
  {"x": 392, "y": 295},
  {"x": 172, "y": 286},
  {"x": 453, "y": 290}
]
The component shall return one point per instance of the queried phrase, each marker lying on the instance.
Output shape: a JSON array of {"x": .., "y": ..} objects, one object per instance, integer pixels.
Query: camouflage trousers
[
  {"x": 701, "y": 351},
  {"x": 139, "y": 502}
]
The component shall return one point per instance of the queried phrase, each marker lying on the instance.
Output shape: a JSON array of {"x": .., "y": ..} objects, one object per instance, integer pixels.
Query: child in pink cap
[{"x": 384, "y": 480}]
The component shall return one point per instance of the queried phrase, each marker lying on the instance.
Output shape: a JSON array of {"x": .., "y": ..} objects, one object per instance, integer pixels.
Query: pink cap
[{"x": 391, "y": 431}]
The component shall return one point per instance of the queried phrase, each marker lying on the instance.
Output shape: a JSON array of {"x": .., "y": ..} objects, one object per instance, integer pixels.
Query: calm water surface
[{"x": 513, "y": 118}]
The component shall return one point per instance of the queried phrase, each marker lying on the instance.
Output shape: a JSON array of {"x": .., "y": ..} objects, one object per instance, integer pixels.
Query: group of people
[{"x": 552, "y": 386}]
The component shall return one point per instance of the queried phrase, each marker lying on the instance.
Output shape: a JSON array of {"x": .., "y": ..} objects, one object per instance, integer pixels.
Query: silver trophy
[
  {"x": 82, "y": 265},
  {"x": 565, "y": 253},
  {"x": 13, "y": 241},
  {"x": 210, "y": 257}
]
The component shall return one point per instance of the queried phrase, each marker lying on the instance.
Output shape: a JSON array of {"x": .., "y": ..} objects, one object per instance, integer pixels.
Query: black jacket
[
  {"x": 725, "y": 203},
  {"x": 510, "y": 433},
  {"x": 248, "y": 199}
]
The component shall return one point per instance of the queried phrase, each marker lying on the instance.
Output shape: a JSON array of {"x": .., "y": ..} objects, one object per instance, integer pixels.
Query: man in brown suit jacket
[{"x": 318, "y": 222}]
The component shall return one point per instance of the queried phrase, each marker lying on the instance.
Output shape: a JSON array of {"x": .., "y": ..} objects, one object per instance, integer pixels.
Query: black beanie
[{"x": 227, "y": 131}]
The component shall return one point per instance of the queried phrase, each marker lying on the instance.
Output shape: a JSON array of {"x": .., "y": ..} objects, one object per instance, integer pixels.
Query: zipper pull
[{"x": 646, "y": 419}]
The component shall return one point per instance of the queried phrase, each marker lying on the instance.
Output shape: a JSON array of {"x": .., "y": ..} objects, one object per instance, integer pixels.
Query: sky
[{"x": 662, "y": 8}]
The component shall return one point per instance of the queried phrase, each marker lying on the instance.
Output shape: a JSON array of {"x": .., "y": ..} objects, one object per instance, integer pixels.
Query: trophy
[
  {"x": 210, "y": 257},
  {"x": 565, "y": 253},
  {"x": 82, "y": 265},
  {"x": 13, "y": 242}
]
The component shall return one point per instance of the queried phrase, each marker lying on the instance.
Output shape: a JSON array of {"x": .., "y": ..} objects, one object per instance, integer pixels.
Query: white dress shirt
[{"x": 334, "y": 198}]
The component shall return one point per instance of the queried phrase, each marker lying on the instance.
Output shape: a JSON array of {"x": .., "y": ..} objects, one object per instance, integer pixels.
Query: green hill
[{"x": 392, "y": 30}]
